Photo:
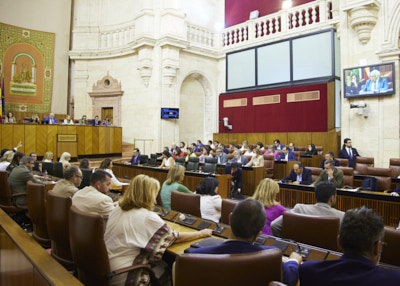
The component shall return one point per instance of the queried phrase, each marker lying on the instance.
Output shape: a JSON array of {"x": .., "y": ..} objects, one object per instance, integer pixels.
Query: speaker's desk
[{"x": 191, "y": 180}]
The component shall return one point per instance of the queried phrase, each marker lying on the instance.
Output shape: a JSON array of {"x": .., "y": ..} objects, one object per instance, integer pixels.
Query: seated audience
[
  {"x": 292, "y": 148},
  {"x": 361, "y": 238},
  {"x": 10, "y": 118},
  {"x": 167, "y": 161},
  {"x": 348, "y": 152},
  {"x": 106, "y": 122},
  {"x": 173, "y": 147},
  {"x": 250, "y": 151},
  {"x": 51, "y": 119},
  {"x": 329, "y": 156},
  {"x": 266, "y": 193},
  {"x": 260, "y": 146},
  {"x": 238, "y": 158},
  {"x": 83, "y": 120},
  {"x": 190, "y": 153},
  {"x": 84, "y": 164},
  {"x": 6, "y": 160},
  {"x": 205, "y": 153},
  {"x": 178, "y": 153},
  {"x": 69, "y": 185},
  {"x": 173, "y": 183},
  {"x": 210, "y": 201},
  {"x": 199, "y": 144},
  {"x": 286, "y": 155},
  {"x": 183, "y": 147},
  {"x": 36, "y": 167},
  {"x": 96, "y": 121},
  {"x": 210, "y": 143},
  {"x": 68, "y": 120},
  {"x": 35, "y": 118},
  {"x": 64, "y": 159},
  {"x": 106, "y": 165},
  {"x": 248, "y": 219},
  {"x": 257, "y": 160},
  {"x": 311, "y": 150},
  {"x": 145, "y": 240},
  {"x": 222, "y": 158},
  {"x": 15, "y": 162},
  {"x": 278, "y": 145},
  {"x": 93, "y": 199},
  {"x": 18, "y": 179},
  {"x": 331, "y": 174},
  {"x": 136, "y": 157},
  {"x": 216, "y": 144},
  {"x": 245, "y": 146},
  {"x": 299, "y": 175},
  {"x": 48, "y": 157},
  {"x": 325, "y": 194},
  {"x": 271, "y": 151},
  {"x": 224, "y": 149}
]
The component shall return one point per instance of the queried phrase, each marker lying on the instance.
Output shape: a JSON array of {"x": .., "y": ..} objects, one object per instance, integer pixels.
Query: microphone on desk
[{"x": 218, "y": 229}]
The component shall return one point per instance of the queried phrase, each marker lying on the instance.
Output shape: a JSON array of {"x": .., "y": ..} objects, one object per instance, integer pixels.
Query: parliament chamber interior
[{"x": 177, "y": 142}]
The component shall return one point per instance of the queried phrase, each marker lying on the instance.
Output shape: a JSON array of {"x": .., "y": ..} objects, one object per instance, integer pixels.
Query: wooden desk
[
  {"x": 385, "y": 205},
  {"x": 24, "y": 262},
  {"x": 313, "y": 161},
  {"x": 282, "y": 169},
  {"x": 191, "y": 180}
]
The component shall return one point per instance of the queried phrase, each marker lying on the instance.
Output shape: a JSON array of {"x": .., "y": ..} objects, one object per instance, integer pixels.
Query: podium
[{"x": 67, "y": 143}]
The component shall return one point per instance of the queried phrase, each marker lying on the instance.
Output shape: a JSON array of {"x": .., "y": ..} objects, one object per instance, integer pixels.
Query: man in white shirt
[{"x": 93, "y": 199}]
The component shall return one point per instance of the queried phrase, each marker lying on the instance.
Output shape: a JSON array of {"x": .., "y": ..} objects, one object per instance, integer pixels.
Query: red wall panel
[
  {"x": 306, "y": 116},
  {"x": 238, "y": 11}
]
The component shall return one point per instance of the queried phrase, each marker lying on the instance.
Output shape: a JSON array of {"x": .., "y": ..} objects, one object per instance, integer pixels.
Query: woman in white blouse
[
  {"x": 107, "y": 165},
  {"x": 210, "y": 201},
  {"x": 167, "y": 161},
  {"x": 257, "y": 160}
]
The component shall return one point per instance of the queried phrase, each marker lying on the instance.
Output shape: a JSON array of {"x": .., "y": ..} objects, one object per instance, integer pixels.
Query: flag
[{"x": 2, "y": 107}]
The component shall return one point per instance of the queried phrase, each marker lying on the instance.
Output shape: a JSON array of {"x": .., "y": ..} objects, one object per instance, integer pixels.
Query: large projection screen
[
  {"x": 241, "y": 69},
  {"x": 273, "y": 63},
  {"x": 312, "y": 56}
]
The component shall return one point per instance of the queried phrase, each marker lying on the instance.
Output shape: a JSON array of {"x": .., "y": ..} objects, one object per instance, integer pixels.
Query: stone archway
[{"x": 207, "y": 104}]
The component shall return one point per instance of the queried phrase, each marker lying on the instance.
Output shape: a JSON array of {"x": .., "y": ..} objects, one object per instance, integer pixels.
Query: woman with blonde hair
[
  {"x": 257, "y": 160},
  {"x": 137, "y": 235},
  {"x": 64, "y": 159},
  {"x": 6, "y": 160},
  {"x": 266, "y": 193},
  {"x": 48, "y": 157},
  {"x": 173, "y": 183}
]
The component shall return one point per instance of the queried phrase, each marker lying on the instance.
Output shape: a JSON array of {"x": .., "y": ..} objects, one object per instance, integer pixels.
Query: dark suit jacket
[
  {"x": 47, "y": 120},
  {"x": 348, "y": 270},
  {"x": 95, "y": 123},
  {"x": 282, "y": 145},
  {"x": 136, "y": 160},
  {"x": 322, "y": 166},
  {"x": 344, "y": 155},
  {"x": 306, "y": 178},
  {"x": 337, "y": 178},
  {"x": 291, "y": 156},
  {"x": 223, "y": 158},
  {"x": 237, "y": 179}
]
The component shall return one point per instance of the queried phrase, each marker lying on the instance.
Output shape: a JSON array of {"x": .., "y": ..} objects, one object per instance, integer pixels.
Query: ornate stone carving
[{"x": 363, "y": 19}]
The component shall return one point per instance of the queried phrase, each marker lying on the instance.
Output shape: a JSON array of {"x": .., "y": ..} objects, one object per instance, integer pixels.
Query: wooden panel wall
[
  {"x": 329, "y": 140},
  {"x": 43, "y": 138}
]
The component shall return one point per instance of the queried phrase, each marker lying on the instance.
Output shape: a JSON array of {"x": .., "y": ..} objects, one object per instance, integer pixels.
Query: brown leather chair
[
  {"x": 315, "y": 172},
  {"x": 227, "y": 208},
  {"x": 362, "y": 163},
  {"x": 89, "y": 250},
  {"x": 313, "y": 230},
  {"x": 348, "y": 175},
  {"x": 6, "y": 196},
  {"x": 36, "y": 201},
  {"x": 159, "y": 200},
  {"x": 384, "y": 177},
  {"x": 297, "y": 155},
  {"x": 269, "y": 161},
  {"x": 230, "y": 156},
  {"x": 302, "y": 149},
  {"x": 320, "y": 150},
  {"x": 391, "y": 252},
  {"x": 57, "y": 209},
  {"x": 257, "y": 268},
  {"x": 186, "y": 203},
  {"x": 343, "y": 162},
  {"x": 394, "y": 165}
]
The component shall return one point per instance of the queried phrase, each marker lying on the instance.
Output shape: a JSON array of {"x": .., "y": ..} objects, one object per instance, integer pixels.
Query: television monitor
[
  {"x": 368, "y": 81},
  {"x": 169, "y": 113}
]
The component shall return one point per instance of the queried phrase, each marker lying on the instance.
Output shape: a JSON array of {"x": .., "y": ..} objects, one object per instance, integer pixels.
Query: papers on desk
[{"x": 351, "y": 190}]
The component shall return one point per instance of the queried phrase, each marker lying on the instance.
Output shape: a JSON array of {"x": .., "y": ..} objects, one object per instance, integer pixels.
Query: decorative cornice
[{"x": 100, "y": 54}]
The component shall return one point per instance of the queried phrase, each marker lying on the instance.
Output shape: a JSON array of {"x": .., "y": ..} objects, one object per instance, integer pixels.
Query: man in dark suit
[
  {"x": 286, "y": 155},
  {"x": 331, "y": 174},
  {"x": 236, "y": 181},
  {"x": 360, "y": 237},
  {"x": 136, "y": 158},
  {"x": 376, "y": 83},
  {"x": 96, "y": 121},
  {"x": 299, "y": 175},
  {"x": 329, "y": 156},
  {"x": 349, "y": 153},
  {"x": 247, "y": 221}
]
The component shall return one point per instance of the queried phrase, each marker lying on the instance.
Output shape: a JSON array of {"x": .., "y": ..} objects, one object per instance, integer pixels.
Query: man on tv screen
[{"x": 376, "y": 83}]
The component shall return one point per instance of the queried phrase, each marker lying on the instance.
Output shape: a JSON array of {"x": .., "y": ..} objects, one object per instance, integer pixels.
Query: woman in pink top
[
  {"x": 272, "y": 151},
  {"x": 266, "y": 193}
]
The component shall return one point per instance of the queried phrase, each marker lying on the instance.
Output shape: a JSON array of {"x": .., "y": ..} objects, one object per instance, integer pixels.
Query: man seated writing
[
  {"x": 299, "y": 175},
  {"x": 247, "y": 221}
]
